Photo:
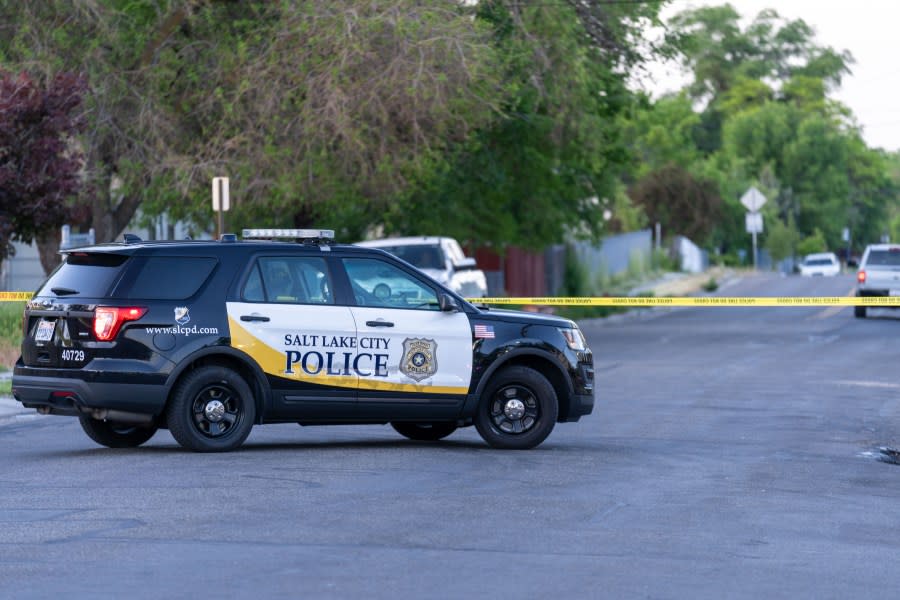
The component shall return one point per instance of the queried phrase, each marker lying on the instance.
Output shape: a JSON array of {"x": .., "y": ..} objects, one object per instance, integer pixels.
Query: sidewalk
[
  {"x": 10, "y": 409},
  {"x": 686, "y": 284}
]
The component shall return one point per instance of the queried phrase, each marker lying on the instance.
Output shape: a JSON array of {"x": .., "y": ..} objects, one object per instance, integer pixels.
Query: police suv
[{"x": 208, "y": 338}]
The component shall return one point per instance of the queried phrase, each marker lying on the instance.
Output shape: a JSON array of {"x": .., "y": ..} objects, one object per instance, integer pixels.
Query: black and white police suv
[{"x": 208, "y": 338}]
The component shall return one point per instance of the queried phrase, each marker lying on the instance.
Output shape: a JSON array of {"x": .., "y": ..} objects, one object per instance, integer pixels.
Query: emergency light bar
[{"x": 297, "y": 234}]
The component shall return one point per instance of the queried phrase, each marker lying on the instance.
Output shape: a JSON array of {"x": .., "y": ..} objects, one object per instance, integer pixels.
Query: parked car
[
  {"x": 441, "y": 258},
  {"x": 210, "y": 338},
  {"x": 878, "y": 274},
  {"x": 822, "y": 264}
]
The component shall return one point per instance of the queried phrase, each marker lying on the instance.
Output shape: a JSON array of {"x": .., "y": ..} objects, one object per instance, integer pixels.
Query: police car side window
[
  {"x": 253, "y": 289},
  {"x": 290, "y": 280},
  {"x": 381, "y": 284}
]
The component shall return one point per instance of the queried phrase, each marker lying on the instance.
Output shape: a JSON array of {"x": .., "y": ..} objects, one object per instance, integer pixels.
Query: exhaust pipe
[{"x": 121, "y": 416}]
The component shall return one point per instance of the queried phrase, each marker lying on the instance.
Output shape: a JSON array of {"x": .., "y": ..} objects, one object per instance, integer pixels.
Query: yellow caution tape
[
  {"x": 699, "y": 301},
  {"x": 15, "y": 296},
  {"x": 648, "y": 300}
]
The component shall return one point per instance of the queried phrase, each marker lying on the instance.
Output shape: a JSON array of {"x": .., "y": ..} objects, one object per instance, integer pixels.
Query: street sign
[
  {"x": 220, "y": 194},
  {"x": 845, "y": 234},
  {"x": 753, "y": 199},
  {"x": 754, "y": 222}
]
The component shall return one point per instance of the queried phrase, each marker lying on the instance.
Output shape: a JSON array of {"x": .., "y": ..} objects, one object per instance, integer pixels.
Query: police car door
[
  {"x": 287, "y": 321},
  {"x": 415, "y": 360}
]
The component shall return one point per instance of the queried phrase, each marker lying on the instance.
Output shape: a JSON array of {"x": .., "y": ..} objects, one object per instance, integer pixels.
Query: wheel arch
[
  {"x": 236, "y": 360},
  {"x": 534, "y": 358}
]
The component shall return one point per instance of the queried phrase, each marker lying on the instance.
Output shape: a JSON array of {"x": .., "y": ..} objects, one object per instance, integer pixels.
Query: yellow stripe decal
[
  {"x": 700, "y": 301},
  {"x": 273, "y": 362}
]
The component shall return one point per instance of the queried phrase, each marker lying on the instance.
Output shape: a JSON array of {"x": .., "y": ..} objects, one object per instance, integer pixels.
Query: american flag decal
[{"x": 484, "y": 332}]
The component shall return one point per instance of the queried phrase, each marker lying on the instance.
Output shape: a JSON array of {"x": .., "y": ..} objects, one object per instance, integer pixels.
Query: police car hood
[{"x": 518, "y": 316}]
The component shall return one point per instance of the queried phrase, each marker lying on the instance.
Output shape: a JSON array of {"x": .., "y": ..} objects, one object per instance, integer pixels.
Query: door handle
[
  {"x": 254, "y": 318},
  {"x": 379, "y": 324}
]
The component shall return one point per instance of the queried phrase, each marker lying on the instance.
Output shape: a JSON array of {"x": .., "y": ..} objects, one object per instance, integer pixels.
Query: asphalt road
[{"x": 733, "y": 452}]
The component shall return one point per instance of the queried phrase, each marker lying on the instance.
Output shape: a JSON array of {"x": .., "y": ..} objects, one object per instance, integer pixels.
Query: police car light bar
[{"x": 297, "y": 234}]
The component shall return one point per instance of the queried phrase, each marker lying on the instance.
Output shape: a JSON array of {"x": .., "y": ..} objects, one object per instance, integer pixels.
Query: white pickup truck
[
  {"x": 441, "y": 258},
  {"x": 878, "y": 274}
]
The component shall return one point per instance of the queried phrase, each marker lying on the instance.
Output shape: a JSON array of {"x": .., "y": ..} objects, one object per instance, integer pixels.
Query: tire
[
  {"x": 497, "y": 421},
  {"x": 211, "y": 410},
  {"x": 425, "y": 432},
  {"x": 859, "y": 312},
  {"x": 116, "y": 435}
]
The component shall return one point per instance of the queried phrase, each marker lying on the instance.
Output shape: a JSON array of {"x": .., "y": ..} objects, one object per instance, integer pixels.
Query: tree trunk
[
  {"x": 108, "y": 217},
  {"x": 48, "y": 251}
]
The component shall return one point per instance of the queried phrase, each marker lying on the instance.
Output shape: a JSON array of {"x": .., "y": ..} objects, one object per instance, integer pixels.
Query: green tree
[
  {"x": 812, "y": 243},
  {"x": 781, "y": 239}
]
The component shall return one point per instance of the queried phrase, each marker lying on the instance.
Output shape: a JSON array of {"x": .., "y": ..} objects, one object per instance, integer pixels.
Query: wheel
[
  {"x": 859, "y": 312},
  {"x": 518, "y": 409},
  {"x": 425, "y": 432},
  {"x": 211, "y": 410},
  {"x": 116, "y": 435}
]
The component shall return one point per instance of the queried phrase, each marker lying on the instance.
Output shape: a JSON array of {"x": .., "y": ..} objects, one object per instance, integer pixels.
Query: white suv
[
  {"x": 441, "y": 258},
  {"x": 823, "y": 263}
]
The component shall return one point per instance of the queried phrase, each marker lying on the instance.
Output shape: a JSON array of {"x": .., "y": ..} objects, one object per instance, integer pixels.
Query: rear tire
[
  {"x": 517, "y": 410},
  {"x": 859, "y": 312},
  {"x": 211, "y": 410},
  {"x": 424, "y": 432},
  {"x": 116, "y": 435}
]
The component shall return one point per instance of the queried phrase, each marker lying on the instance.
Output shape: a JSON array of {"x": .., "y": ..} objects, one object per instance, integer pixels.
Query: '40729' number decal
[{"x": 73, "y": 355}]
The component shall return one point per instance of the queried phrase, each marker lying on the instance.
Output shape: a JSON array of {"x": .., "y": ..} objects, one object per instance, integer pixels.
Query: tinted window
[
  {"x": 293, "y": 280},
  {"x": 816, "y": 262},
  {"x": 253, "y": 289},
  {"x": 171, "y": 277},
  {"x": 887, "y": 258},
  {"x": 424, "y": 256},
  {"x": 377, "y": 283},
  {"x": 84, "y": 274}
]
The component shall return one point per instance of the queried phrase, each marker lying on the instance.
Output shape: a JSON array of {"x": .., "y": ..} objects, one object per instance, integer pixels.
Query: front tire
[
  {"x": 211, "y": 410},
  {"x": 116, "y": 435},
  {"x": 424, "y": 432},
  {"x": 518, "y": 409}
]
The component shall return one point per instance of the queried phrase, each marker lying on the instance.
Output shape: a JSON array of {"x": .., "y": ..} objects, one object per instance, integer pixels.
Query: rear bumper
[
  {"x": 875, "y": 293},
  {"x": 71, "y": 396}
]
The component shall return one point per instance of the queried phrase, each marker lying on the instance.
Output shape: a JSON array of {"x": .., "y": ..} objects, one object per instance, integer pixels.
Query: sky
[{"x": 869, "y": 29}]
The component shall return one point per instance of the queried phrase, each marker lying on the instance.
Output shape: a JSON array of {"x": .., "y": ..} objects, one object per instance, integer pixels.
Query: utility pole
[{"x": 220, "y": 202}]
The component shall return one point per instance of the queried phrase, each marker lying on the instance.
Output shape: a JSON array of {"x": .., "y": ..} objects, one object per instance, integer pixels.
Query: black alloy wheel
[
  {"x": 116, "y": 435},
  {"x": 211, "y": 410},
  {"x": 518, "y": 409},
  {"x": 424, "y": 432}
]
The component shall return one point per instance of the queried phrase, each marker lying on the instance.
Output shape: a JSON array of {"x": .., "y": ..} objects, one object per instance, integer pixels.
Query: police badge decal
[{"x": 419, "y": 358}]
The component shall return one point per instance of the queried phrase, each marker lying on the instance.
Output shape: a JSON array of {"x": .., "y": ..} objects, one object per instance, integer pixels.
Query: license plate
[{"x": 45, "y": 331}]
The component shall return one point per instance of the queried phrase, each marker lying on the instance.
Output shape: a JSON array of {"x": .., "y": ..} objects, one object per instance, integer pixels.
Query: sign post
[
  {"x": 753, "y": 200},
  {"x": 220, "y": 202}
]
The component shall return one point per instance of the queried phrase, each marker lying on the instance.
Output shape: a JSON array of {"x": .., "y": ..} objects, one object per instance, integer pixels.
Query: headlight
[{"x": 574, "y": 338}]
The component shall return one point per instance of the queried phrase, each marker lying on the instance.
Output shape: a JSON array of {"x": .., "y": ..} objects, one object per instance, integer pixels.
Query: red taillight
[
  {"x": 108, "y": 320},
  {"x": 861, "y": 276}
]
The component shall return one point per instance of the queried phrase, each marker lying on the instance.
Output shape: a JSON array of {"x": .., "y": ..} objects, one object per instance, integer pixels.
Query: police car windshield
[{"x": 421, "y": 256}]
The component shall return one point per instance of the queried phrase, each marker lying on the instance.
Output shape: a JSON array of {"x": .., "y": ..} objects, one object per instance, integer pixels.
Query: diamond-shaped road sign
[{"x": 753, "y": 199}]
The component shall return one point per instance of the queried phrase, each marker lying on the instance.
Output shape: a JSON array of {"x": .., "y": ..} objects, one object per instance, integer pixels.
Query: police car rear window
[
  {"x": 84, "y": 274},
  {"x": 171, "y": 277}
]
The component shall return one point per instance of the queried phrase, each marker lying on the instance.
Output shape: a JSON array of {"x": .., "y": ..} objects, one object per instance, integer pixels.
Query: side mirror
[
  {"x": 448, "y": 303},
  {"x": 465, "y": 264}
]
